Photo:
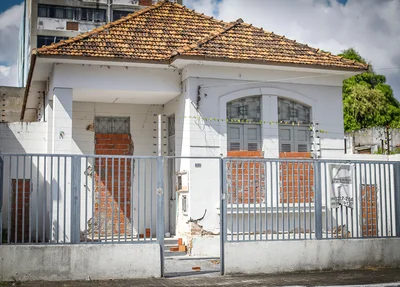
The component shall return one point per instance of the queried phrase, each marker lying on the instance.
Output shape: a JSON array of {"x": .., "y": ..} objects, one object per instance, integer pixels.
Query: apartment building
[{"x": 50, "y": 21}]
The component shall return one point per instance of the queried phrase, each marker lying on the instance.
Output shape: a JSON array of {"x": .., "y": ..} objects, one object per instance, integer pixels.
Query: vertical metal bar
[
  {"x": 380, "y": 197},
  {"x": 390, "y": 198},
  {"x": 93, "y": 196},
  {"x": 1, "y": 197},
  {"x": 44, "y": 196},
  {"x": 51, "y": 199},
  {"x": 30, "y": 199},
  {"x": 75, "y": 199},
  {"x": 309, "y": 196},
  {"x": 243, "y": 229},
  {"x": 248, "y": 196},
  {"x": 326, "y": 200},
  {"x": 318, "y": 200},
  {"x": 372, "y": 191},
  {"x": 112, "y": 198},
  {"x": 254, "y": 200},
  {"x": 356, "y": 194},
  {"x": 106, "y": 198},
  {"x": 37, "y": 197},
  {"x": 293, "y": 201},
  {"x": 100, "y": 187},
  {"x": 376, "y": 201},
  {"x": 160, "y": 209},
  {"x": 58, "y": 199},
  {"x": 23, "y": 201},
  {"x": 231, "y": 195},
  {"x": 287, "y": 201},
  {"x": 16, "y": 203},
  {"x": 237, "y": 198},
  {"x": 86, "y": 199},
  {"x": 298, "y": 197},
  {"x": 138, "y": 199},
  {"x": 144, "y": 198},
  {"x": 10, "y": 196},
  {"x": 65, "y": 195},
  {"x": 260, "y": 187},
  {"x": 272, "y": 200},
  {"x": 305, "y": 199},
  {"x": 386, "y": 202},
  {"x": 222, "y": 170},
  {"x": 131, "y": 197},
  {"x": 119, "y": 199},
  {"x": 125, "y": 197},
  {"x": 366, "y": 199},
  {"x": 277, "y": 180},
  {"x": 396, "y": 177}
]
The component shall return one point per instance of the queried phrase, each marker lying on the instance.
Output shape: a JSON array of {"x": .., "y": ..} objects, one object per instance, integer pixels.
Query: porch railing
[{"x": 79, "y": 199}]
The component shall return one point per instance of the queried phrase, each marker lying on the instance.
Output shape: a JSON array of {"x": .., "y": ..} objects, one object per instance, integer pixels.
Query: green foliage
[
  {"x": 380, "y": 151},
  {"x": 367, "y": 100}
]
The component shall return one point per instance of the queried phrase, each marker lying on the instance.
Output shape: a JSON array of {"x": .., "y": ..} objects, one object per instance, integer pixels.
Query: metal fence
[
  {"x": 80, "y": 199},
  {"x": 295, "y": 199}
]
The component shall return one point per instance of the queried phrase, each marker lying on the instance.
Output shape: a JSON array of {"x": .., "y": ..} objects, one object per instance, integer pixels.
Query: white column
[
  {"x": 62, "y": 121},
  {"x": 270, "y": 129},
  {"x": 61, "y": 137}
]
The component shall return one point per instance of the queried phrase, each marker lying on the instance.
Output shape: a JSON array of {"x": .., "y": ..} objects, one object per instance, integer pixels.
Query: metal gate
[{"x": 306, "y": 199}]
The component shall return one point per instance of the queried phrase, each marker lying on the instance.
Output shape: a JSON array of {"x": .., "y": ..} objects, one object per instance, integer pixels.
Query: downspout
[
  {"x": 28, "y": 84},
  {"x": 23, "y": 46}
]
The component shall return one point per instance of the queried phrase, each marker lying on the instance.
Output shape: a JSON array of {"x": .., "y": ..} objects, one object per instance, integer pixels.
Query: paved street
[{"x": 382, "y": 277}]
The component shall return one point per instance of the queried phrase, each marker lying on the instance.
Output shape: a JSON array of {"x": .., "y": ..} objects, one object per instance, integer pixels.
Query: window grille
[{"x": 112, "y": 125}]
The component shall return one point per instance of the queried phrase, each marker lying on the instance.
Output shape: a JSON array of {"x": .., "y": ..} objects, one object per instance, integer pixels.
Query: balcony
[{"x": 54, "y": 24}]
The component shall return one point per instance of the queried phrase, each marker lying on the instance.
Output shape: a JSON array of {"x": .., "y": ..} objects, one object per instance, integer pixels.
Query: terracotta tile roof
[{"x": 168, "y": 30}]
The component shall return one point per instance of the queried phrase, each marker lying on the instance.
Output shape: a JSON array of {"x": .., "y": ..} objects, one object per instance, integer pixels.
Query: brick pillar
[
  {"x": 20, "y": 209},
  {"x": 113, "y": 185},
  {"x": 297, "y": 178}
]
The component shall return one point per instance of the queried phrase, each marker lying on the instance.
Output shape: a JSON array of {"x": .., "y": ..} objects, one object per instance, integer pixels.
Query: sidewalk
[{"x": 377, "y": 277}]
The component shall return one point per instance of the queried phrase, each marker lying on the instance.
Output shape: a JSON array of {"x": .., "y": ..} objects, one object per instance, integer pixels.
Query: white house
[{"x": 222, "y": 89}]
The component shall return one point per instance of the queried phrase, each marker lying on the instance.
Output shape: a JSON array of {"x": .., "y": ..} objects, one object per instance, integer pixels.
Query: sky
[{"x": 372, "y": 27}]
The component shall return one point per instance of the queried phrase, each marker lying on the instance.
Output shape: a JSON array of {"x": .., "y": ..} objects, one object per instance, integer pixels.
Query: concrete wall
[
  {"x": 79, "y": 262},
  {"x": 292, "y": 256}
]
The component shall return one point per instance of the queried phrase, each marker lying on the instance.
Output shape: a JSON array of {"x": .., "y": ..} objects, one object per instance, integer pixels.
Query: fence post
[
  {"x": 75, "y": 198},
  {"x": 1, "y": 198},
  {"x": 397, "y": 196},
  {"x": 222, "y": 215},
  {"x": 160, "y": 209},
  {"x": 317, "y": 199}
]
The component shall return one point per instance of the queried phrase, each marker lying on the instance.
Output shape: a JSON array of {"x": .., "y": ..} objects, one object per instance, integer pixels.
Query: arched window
[
  {"x": 294, "y": 132},
  {"x": 244, "y": 126}
]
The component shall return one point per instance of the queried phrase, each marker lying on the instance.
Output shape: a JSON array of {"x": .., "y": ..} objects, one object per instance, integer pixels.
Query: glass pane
[
  {"x": 42, "y": 11},
  {"x": 245, "y": 109},
  {"x": 69, "y": 13},
  {"x": 59, "y": 13}
]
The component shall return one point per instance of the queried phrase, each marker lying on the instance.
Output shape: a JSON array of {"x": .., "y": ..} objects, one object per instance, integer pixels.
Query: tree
[{"x": 367, "y": 100}]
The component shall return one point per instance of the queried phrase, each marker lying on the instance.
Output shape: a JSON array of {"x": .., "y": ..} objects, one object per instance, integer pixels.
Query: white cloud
[
  {"x": 372, "y": 27},
  {"x": 10, "y": 21}
]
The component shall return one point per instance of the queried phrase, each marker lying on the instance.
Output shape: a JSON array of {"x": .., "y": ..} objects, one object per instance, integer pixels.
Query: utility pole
[{"x": 387, "y": 138}]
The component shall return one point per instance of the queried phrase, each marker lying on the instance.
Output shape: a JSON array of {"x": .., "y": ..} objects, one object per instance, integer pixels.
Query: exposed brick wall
[
  {"x": 113, "y": 184},
  {"x": 369, "y": 212},
  {"x": 297, "y": 179},
  {"x": 245, "y": 179},
  {"x": 20, "y": 212},
  {"x": 145, "y": 2}
]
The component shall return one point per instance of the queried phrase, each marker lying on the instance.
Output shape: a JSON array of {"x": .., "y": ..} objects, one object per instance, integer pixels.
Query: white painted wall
[
  {"x": 307, "y": 255},
  {"x": 79, "y": 262}
]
